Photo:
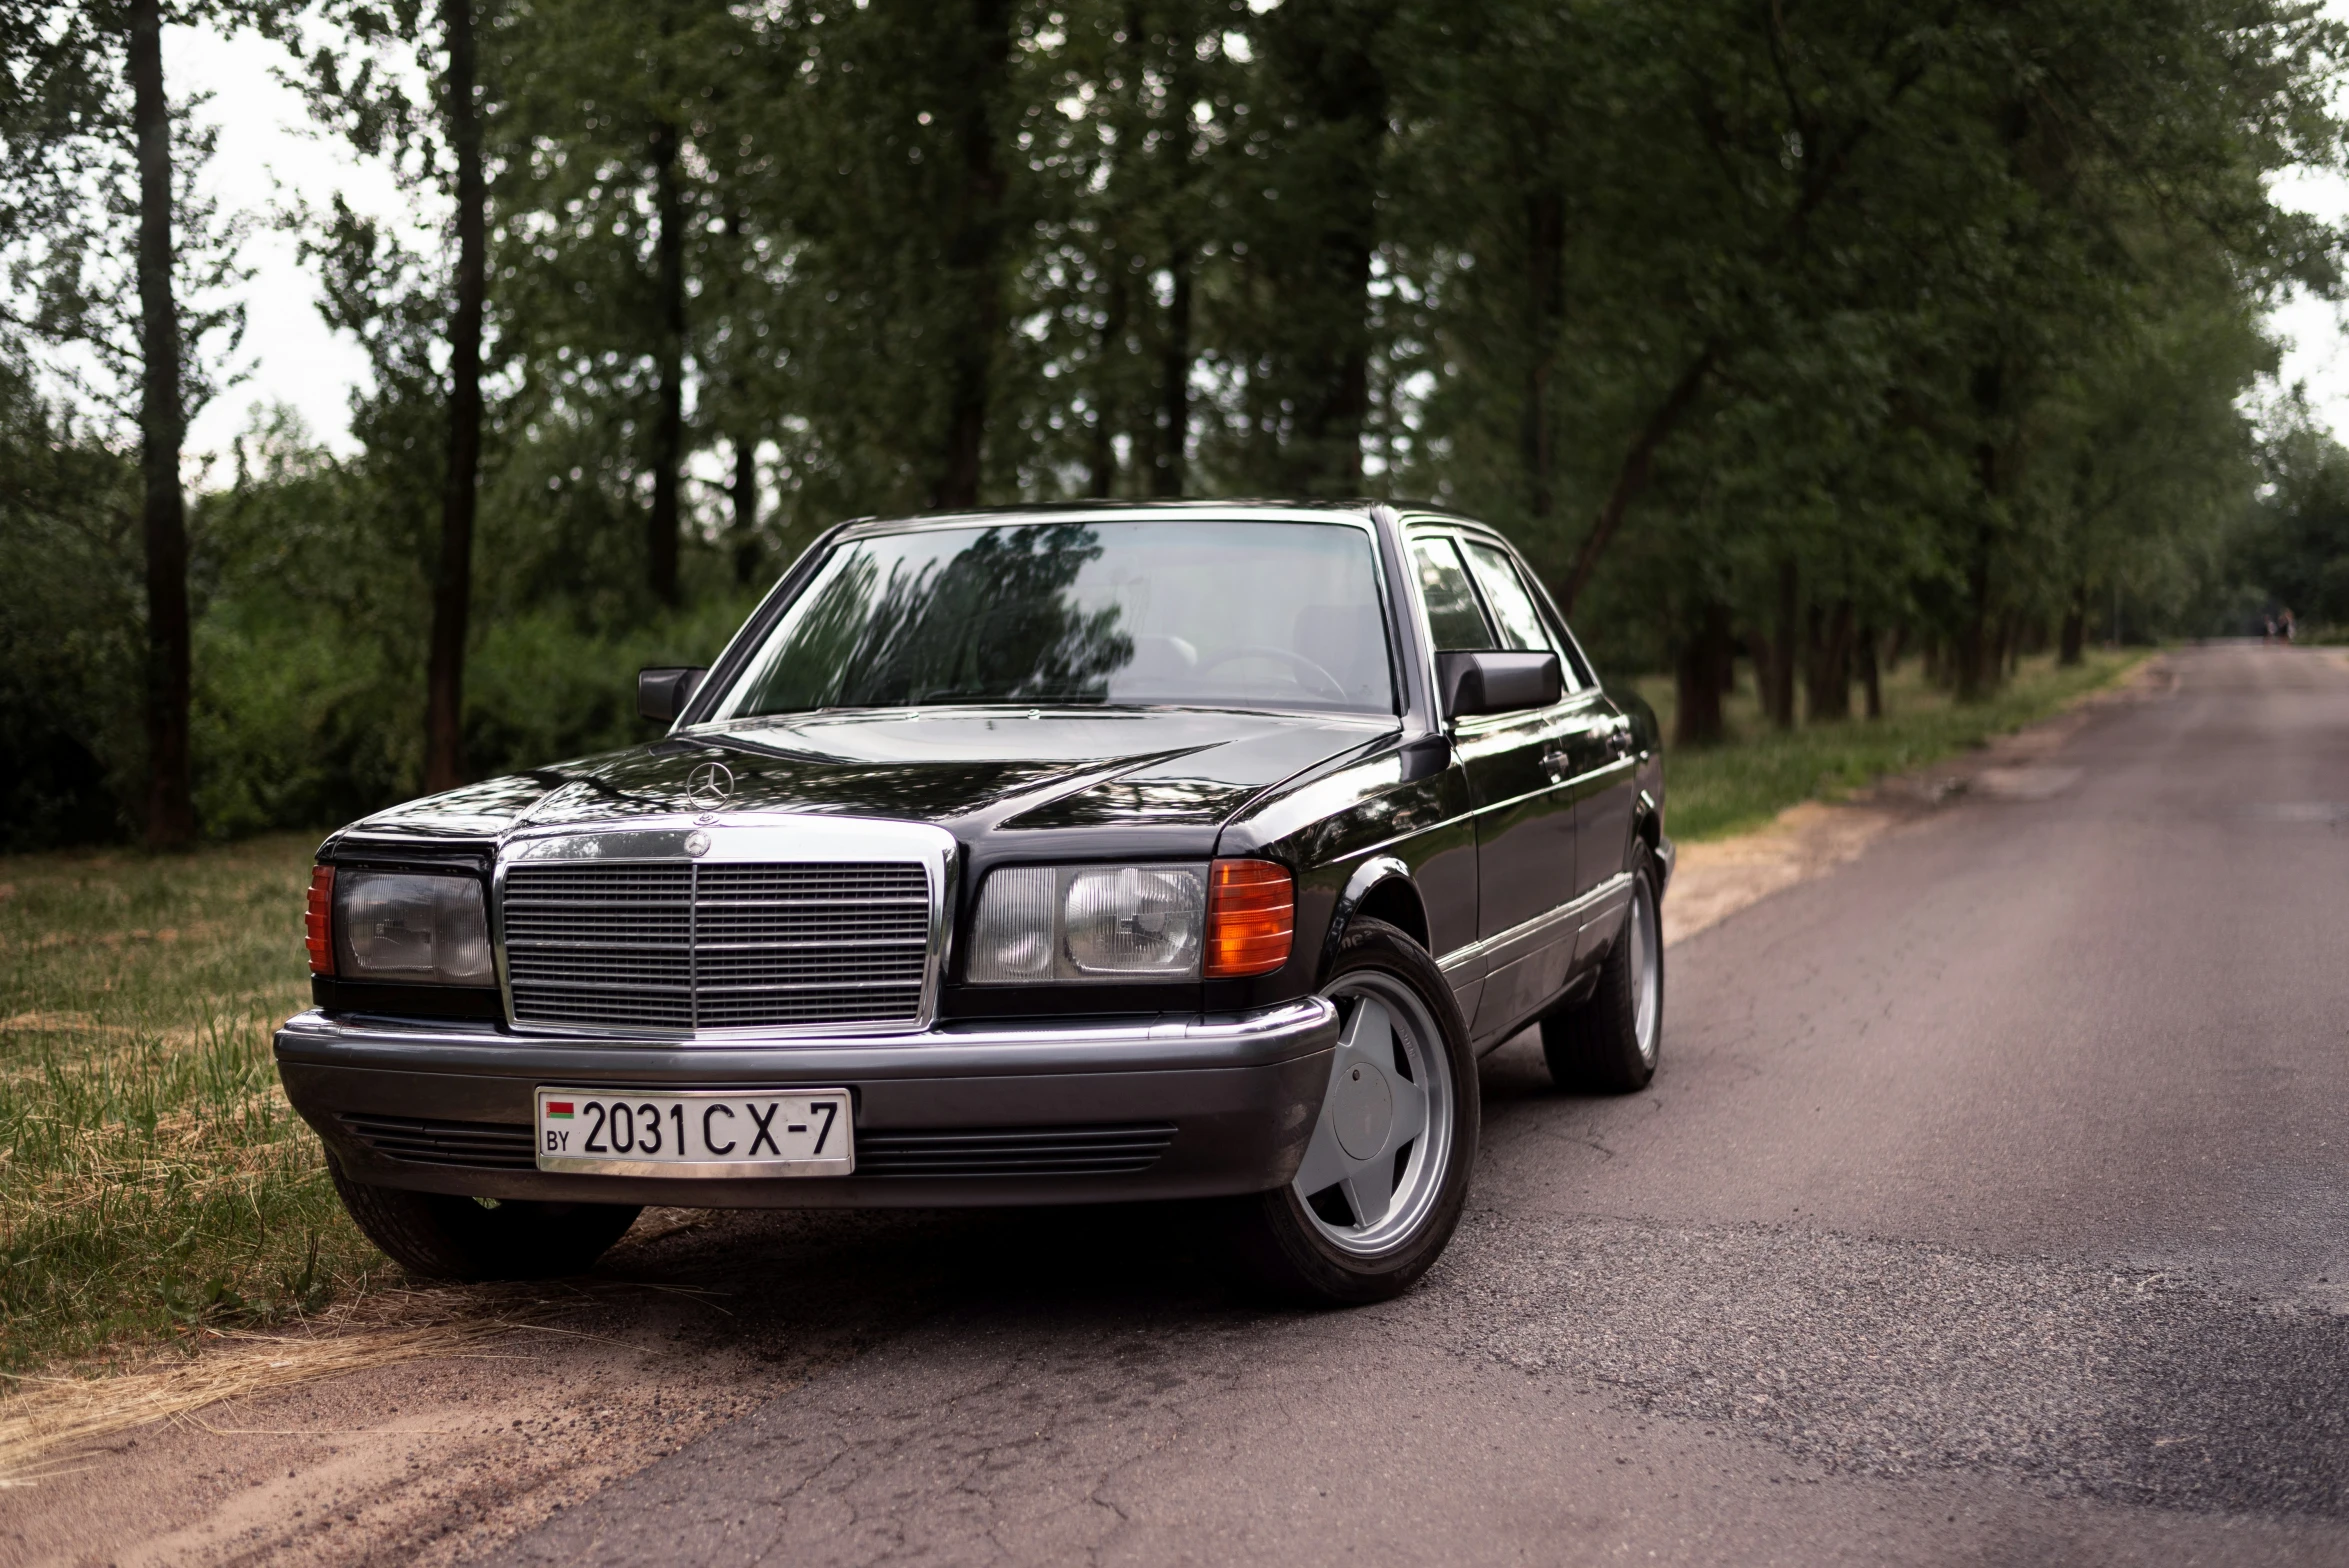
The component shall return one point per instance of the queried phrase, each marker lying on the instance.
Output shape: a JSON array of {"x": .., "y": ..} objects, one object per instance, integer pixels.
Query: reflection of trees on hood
[{"x": 993, "y": 622}]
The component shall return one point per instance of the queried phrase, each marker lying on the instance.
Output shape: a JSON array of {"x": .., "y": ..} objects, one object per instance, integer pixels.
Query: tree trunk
[
  {"x": 1327, "y": 55},
  {"x": 1978, "y": 661},
  {"x": 744, "y": 492},
  {"x": 1701, "y": 680},
  {"x": 1765, "y": 662},
  {"x": 2074, "y": 637},
  {"x": 1977, "y": 668},
  {"x": 1830, "y": 668},
  {"x": 669, "y": 415},
  {"x": 452, "y": 587},
  {"x": 1870, "y": 685},
  {"x": 1167, "y": 462},
  {"x": 1781, "y": 701},
  {"x": 1103, "y": 476},
  {"x": 171, "y": 812},
  {"x": 1814, "y": 657},
  {"x": 1840, "y": 636},
  {"x": 1174, "y": 382},
  {"x": 1545, "y": 315},
  {"x": 974, "y": 255}
]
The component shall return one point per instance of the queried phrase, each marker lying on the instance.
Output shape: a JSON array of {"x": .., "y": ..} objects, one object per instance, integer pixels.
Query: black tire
[
  {"x": 443, "y": 1237},
  {"x": 1299, "y": 1256},
  {"x": 1597, "y": 1046}
]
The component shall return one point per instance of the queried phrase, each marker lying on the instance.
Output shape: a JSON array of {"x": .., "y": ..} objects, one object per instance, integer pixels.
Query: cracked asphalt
[{"x": 1989, "y": 1208}]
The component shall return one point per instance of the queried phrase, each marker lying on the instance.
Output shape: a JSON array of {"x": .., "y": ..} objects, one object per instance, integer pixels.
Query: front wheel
[
  {"x": 443, "y": 1237},
  {"x": 1609, "y": 1043},
  {"x": 1385, "y": 1174}
]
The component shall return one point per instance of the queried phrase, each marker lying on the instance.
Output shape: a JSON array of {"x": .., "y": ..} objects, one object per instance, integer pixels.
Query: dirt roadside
[{"x": 694, "y": 1319}]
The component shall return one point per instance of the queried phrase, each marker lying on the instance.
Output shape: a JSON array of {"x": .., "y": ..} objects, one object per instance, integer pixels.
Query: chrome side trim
[
  {"x": 1518, "y": 800},
  {"x": 1527, "y": 934},
  {"x": 1619, "y": 765},
  {"x": 737, "y": 839},
  {"x": 1604, "y": 921}
]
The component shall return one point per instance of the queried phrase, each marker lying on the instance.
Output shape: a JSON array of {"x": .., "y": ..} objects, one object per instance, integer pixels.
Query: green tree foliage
[
  {"x": 2294, "y": 553},
  {"x": 1808, "y": 333}
]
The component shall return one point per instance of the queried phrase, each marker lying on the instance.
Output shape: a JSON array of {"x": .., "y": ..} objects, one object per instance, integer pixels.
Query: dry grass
[
  {"x": 41, "y": 1426},
  {"x": 46, "y": 1419}
]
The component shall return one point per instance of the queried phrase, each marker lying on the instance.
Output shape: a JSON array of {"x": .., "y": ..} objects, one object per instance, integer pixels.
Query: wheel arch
[
  {"x": 1381, "y": 888},
  {"x": 1647, "y": 825}
]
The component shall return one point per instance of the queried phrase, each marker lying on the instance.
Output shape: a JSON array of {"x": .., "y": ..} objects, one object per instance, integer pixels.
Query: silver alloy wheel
[
  {"x": 1647, "y": 979},
  {"x": 1383, "y": 1141}
]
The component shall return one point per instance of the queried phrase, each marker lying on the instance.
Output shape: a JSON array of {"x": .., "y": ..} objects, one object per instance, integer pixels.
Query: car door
[
  {"x": 1519, "y": 766},
  {"x": 1602, "y": 772}
]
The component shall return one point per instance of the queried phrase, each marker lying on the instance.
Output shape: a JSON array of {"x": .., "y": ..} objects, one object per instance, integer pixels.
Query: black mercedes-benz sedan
[{"x": 1047, "y": 855}]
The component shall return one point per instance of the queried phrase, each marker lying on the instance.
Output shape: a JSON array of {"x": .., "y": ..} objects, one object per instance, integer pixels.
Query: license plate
[{"x": 799, "y": 1132}]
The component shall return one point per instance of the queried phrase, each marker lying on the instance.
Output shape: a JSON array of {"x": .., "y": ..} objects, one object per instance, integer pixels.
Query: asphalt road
[{"x": 1989, "y": 1207}]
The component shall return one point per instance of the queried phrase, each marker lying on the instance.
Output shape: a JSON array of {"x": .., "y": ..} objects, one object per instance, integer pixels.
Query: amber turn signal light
[
  {"x": 1251, "y": 918},
  {"x": 317, "y": 928}
]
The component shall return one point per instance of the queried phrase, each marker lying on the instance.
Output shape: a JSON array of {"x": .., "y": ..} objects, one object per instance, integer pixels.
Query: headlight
[
  {"x": 1134, "y": 920},
  {"x": 1131, "y": 922},
  {"x": 1090, "y": 923},
  {"x": 391, "y": 925}
]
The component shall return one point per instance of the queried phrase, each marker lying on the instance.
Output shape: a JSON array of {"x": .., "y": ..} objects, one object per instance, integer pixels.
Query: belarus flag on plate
[{"x": 558, "y": 1107}]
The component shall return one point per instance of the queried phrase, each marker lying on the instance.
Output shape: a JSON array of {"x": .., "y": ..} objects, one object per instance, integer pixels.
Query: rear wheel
[
  {"x": 1608, "y": 1043},
  {"x": 444, "y": 1237},
  {"x": 1386, "y": 1172}
]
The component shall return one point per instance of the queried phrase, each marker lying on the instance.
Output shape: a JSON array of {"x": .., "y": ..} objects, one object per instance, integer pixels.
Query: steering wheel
[{"x": 1329, "y": 684}]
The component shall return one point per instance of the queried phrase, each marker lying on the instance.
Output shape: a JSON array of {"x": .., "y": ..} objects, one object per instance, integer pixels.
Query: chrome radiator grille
[{"x": 731, "y": 946}]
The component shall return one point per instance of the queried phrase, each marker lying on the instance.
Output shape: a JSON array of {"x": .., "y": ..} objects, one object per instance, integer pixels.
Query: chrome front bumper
[{"x": 1036, "y": 1111}]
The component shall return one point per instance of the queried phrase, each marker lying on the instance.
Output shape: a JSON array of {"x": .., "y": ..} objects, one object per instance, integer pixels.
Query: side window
[
  {"x": 1454, "y": 619},
  {"x": 1512, "y": 605},
  {"x": 1505, "y": 585}
]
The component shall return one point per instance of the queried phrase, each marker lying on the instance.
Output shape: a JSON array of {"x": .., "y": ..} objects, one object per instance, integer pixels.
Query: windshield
[{"x": 1281, "y": 615}]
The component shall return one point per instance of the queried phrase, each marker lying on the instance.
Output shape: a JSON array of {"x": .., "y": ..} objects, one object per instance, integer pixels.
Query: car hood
[{"x": 1001, "y": 767}]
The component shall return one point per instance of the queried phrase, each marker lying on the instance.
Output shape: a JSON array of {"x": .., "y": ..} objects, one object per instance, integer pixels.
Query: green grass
[
  {"x": 153, "y": 1180},
  {"x": 1760, "y": 771}
]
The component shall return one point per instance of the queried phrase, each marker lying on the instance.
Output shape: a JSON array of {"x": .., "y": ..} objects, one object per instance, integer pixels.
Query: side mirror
[
  {"x": 1475, "y": 683},
  {"x": 662, "y": 694}
]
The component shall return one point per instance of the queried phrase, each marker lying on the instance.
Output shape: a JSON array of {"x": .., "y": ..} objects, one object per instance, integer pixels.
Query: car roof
[{"x": 1221, "y": 511}]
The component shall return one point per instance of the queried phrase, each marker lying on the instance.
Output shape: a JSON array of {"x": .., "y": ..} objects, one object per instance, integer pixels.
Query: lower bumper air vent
[
  {"x": 1118, "y": 1150},
  {"x": 486, "y": 1146}
]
